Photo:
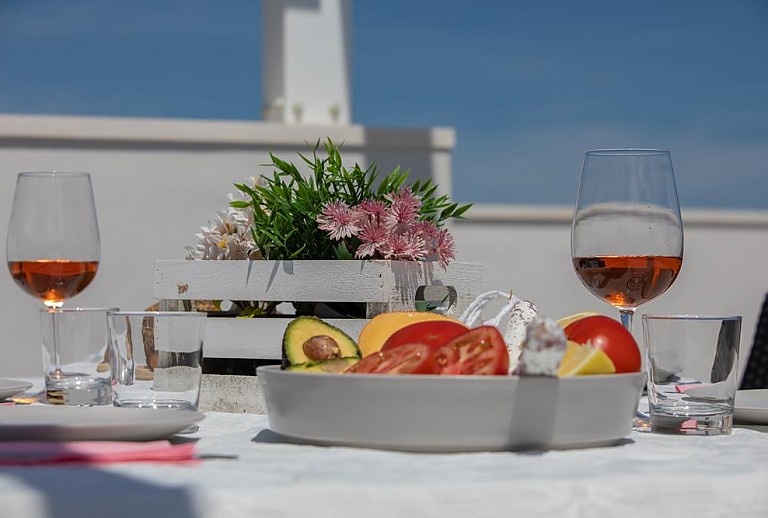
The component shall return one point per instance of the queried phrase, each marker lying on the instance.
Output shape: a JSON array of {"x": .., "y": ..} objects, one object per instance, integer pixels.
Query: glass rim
[
  {"x": 692, "y": 317},
  {"x": 53, "y": 173},
  {"x": 626, "y": 152},
  {"x": 77, "y": 310},
  {"x": 158, "y": 313}
]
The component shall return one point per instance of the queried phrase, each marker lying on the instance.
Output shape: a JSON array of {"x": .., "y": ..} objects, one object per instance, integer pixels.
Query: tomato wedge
[
  {"x": 406, "y": 359},
  {"x": 432, "y": 333},
  {"x": 479, "y": 351}
]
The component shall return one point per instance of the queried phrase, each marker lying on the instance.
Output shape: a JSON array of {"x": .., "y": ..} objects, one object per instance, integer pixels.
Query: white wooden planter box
[{"x": 383, "y": 285}]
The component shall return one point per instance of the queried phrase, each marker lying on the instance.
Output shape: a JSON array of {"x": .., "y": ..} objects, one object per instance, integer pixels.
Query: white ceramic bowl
[{"x": 450, "y": 413}]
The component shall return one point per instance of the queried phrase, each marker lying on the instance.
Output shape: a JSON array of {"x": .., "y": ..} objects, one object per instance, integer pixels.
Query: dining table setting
[
  {"x": 497, "y": 410},
  {"x": 234, "y": 465}
]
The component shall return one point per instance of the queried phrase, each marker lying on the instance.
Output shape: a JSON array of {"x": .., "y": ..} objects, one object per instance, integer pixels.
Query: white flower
[
  {"x": 229, "y": 235},
  {"x": 226, "y": 237}
]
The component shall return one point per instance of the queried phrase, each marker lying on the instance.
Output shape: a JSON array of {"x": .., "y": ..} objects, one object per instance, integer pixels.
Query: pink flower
[
  {"x": 444, "y": 248},
  {"x": 375, "y": 210},
  {"x": 428, "y": 231},
  {"x": 406, "y": 246},
  {"x": 403, "y": 209},
  {"x": 388, "y": 230},
  {"x": 340, "y": 220},
  {"x": 372, "y": 236}
]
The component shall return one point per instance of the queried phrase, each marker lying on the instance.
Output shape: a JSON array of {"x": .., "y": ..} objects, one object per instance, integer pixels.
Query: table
[{"x": 247, "y": 471}]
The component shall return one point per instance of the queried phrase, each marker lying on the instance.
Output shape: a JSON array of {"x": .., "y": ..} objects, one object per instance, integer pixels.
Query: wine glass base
[{"x": 641, "y": 423}]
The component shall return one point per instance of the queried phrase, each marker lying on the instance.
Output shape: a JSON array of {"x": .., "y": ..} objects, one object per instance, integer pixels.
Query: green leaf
[
  {"x": 459, "y": 213},
  {"x": 342, "y": 252}
]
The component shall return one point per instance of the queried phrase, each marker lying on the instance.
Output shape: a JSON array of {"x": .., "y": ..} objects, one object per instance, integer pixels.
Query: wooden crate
[{"x": 383, "y": 285}]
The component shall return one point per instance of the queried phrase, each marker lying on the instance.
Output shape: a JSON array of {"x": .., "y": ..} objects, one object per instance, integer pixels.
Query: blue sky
[{"x": 528, "y": 85}]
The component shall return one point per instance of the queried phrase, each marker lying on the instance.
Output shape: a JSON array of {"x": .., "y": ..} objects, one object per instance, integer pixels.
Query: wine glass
[
  {"x": 627, "y": 233},
  {"x": 53, "y": 244}
]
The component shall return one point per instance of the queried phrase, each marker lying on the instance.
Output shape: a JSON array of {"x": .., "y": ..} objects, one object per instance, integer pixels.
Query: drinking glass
[
  {"x": 53, "y": 245},
  {"x": 156, "y": 358},
  {"x": 627, "y": 233},
  {"x": 76, "y": 356},
  {"x": 692, "y": 372}
]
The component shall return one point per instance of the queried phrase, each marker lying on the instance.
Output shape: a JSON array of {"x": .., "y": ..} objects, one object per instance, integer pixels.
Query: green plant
[{"x": 286, "y": 206}]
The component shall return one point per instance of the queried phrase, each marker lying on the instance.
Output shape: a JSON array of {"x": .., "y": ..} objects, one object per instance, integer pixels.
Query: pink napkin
[{"x": 93, "y": 452}]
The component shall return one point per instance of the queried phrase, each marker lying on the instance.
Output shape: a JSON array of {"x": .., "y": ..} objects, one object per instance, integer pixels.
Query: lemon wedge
[
  {"x": 582, "y": 360},
  {"x": 570, "y": 319}
]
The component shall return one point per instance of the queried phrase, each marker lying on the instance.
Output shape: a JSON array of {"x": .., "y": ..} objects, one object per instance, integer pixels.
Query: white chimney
[{"x": 306, "y": 70}]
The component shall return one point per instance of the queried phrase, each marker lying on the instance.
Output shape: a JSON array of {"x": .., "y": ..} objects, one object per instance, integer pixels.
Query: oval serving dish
[{"x": 450, "y": 413}]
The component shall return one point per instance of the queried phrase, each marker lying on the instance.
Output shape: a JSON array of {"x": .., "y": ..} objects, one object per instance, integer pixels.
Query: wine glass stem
[
  {"x": 56, "y": 355},
  {"x": 641, "y": 422},
  {"x": 626, "y": 318}
]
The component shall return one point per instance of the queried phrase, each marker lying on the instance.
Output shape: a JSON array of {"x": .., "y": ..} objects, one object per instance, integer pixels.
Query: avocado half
[{"x": 304, "y": 328}]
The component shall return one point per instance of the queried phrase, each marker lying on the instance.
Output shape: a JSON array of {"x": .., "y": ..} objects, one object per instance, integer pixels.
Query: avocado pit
[{"x": 321, "y": 348}]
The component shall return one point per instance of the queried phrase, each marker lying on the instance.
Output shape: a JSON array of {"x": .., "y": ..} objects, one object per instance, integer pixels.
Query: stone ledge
[
  {"x": 51, "y": 129},
  {"x": 233, "y": 394}
]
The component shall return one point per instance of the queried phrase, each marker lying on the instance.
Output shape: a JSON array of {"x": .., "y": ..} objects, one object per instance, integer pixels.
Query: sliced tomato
[
  {"x": 610, "y": 336},
  {"x": 407, "y": 359},
  {"x": 479, "y": 351},
  {"x": 433, "y": 333}
]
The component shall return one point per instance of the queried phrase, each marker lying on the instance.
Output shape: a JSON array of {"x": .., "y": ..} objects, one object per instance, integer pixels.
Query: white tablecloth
[{"x": 247, "y": 472}]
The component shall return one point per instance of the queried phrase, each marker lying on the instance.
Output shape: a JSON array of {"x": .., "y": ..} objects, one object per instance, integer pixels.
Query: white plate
[
  {"x": 751, "y": 406},
  {"x": 10, "y": 388},
  {"x": 61, "y": 423},
  {"x": 450, "y": 413}
]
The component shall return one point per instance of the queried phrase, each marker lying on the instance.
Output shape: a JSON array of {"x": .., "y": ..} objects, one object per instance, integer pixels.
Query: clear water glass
[
  {"x": 76, "y": 356},
  {"x": 157, "y": 358},
  {"x": 692, "y": 372}
]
